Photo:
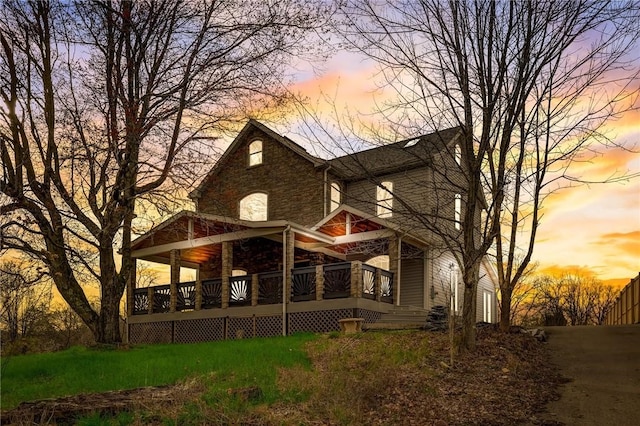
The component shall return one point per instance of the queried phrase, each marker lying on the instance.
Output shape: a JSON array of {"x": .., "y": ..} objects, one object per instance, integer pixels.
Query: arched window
[
  {"x": 457, "y": 153},
  {"x": 384, "y": 197},
  {"x": 254, "y": 207},
  {"x": 381, "y": 262},
  {"x": 335, "y": 196},
  {"x": 255, "y": 153},
  {"x": 457, "y": 211}
]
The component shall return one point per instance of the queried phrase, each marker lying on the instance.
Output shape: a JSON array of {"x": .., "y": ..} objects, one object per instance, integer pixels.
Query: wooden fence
[{"x": 626, "y": 309}]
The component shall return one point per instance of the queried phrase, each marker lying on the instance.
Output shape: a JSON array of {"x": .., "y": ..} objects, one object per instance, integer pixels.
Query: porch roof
[
  {"x": 347, "y": 221},
  {"x": 198, "y": 235}
]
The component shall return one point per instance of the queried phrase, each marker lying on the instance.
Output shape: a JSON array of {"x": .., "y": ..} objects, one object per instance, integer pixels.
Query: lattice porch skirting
[{"x": 221, "y": 328}]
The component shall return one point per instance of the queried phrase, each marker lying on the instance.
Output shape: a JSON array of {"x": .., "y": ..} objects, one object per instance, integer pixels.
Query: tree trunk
[
  {"x": 471, "y": 276},
  {"x": 505, "y": 308}
]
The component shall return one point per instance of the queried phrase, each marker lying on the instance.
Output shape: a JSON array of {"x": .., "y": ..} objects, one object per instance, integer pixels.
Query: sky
[{"x": 593, "y": 229}]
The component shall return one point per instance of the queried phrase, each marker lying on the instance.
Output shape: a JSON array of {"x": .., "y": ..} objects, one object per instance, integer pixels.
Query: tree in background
[
  {"x": 24, "y": 301},
  {"x": 109, "y": 103},
  {"x": 530, "y": 85},
  {"x": 568, "y": 299}
]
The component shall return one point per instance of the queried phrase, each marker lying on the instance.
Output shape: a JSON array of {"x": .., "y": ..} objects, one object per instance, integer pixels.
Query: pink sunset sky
[{"x": 594, "y": 228}]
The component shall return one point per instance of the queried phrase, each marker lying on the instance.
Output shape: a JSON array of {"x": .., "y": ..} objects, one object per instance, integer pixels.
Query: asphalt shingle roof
[{"x": 393, "y": 157}]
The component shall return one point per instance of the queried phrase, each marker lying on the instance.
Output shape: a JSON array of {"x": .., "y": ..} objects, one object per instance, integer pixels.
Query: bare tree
[
  {"x": 24, "y": 300},
  {"x": 106, "y": 103},
  {"x": 529, "y": 85},
  {"x": 569, "y": 299}
]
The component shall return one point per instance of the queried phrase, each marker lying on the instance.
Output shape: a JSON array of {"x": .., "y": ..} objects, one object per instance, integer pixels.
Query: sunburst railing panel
[
  {"x": 270, "y": 288},
  {"x": 387, "y": 286},
  {"x": 337, "y": 280},
  {"x": 161, "y": 298},
  {"x": 368, "y": 281},
  {"x": 140, "y": 301},
  {"x": 240, "y": 291},
  {"x": 186, "y": 296},
  {"x": 211, "y": 293},
  {"x": 303, "y": 284}
]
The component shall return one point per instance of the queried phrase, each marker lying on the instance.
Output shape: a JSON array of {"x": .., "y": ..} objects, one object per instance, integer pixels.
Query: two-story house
[{"x": 283, "y": 241}]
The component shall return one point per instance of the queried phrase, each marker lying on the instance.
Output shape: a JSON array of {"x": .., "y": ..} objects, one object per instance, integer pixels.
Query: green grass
[{"x": 236, "y": 363}]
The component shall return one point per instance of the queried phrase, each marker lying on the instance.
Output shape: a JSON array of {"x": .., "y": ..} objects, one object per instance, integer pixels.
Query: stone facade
[{"x": 294, "y": 185}]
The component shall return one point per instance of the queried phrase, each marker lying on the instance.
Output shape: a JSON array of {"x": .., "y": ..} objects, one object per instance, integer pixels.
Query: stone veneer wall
[{"x": 293, "y": 184}]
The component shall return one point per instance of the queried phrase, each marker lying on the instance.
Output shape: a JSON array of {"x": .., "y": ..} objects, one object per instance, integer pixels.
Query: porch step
[{"x": 400, "y": 318}]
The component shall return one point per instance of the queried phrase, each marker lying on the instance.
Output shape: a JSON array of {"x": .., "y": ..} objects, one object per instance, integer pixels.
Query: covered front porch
[{"x": 261, "y": 278}]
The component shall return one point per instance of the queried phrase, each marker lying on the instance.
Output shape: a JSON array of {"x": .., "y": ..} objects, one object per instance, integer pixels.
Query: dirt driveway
[{"x": 603, "y": 364}]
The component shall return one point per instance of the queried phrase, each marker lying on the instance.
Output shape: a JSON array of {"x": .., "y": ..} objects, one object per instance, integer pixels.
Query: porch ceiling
[
  {"x": 198, "y": 236},
  {"x": 343, "y": 220}
]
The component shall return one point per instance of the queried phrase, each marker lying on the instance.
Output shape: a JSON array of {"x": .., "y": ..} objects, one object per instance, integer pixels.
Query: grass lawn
[{"x": 235, "y": 363}]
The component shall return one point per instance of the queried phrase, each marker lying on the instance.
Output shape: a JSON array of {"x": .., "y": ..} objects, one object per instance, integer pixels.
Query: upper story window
[
  {"x": 457, "y": 153},
  {"x": 254, "y": 207},
  {"x": 336, "y": 193},
  {"x": 255, "y": 153},
  {"x": 457, "y": 213},
  {"x": 384, "y": 198}
]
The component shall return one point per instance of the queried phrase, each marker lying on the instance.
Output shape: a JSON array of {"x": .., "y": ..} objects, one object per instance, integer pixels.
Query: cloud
[
  {"x": 623, "y": 242},
  {"x": 557, "y": 270}
]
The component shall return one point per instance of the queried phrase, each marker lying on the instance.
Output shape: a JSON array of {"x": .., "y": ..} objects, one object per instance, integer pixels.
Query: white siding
[{"x": 412, "y": 282}]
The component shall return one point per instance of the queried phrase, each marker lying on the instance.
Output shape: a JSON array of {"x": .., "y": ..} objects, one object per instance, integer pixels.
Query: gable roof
[
  {"x": 240, "y": 138},
  {"x": 393, "y": 157}
]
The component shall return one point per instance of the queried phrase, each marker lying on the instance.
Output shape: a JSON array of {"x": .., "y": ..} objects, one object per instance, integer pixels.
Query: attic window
[
  {"x": 458, "y": 154},
  {"x": 384, "y": 198},
  {"x": 254, "y": 207},
  {"x": 255, "y": 153},
  {"x": 412, "y": 142}
]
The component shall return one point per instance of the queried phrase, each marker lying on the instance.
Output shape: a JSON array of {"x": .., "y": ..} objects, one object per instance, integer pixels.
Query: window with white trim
[
  {"x": 254, "y": 207},
  {"x": 255, "y": 153},
  {"x": 487, "y": 302},
  {"x": 457, "y": 211},
  {"x": 384, "y": 198},
  {"x": 457, "y": 153},
  {"x": 335, "y": 196}
]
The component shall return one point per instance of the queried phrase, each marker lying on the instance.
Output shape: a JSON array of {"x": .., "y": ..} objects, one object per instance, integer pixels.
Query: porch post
[
  {"x": 356, "y": 278},
  {"x": 319, "y": 282},
  {"x": 255, "y": 289},
  {"x": 150, "y": 297},
  {"x": 174, "y": 261},
  {"x": 288, "y": 240},
  {"x": 131, "y": 285},
  {"x": 394, "y": 266},
  {"x": 198, "y": 301},
  {"x": 290, "y": 261},
  {"x": 378, "y": 285},
  {"x": 227, "y": 267}
]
